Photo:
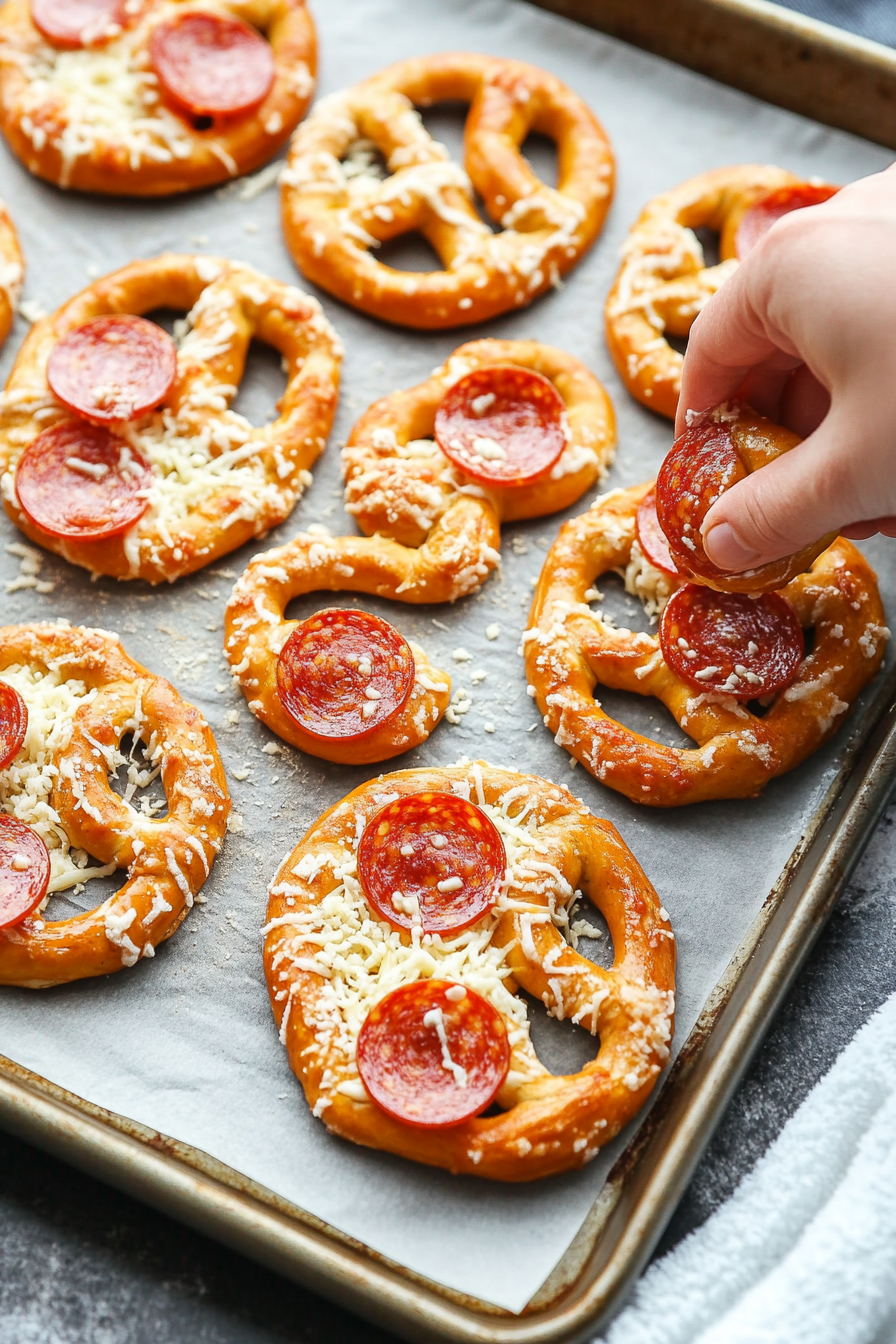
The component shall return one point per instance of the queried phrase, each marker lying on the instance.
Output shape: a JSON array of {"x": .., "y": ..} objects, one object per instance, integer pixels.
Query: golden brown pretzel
[
  {"x": 570, "y": 649},
  {"x": 92, "y": 119},
  {"x": 84, "y": 694},
  {"x": 328, "y": 960},
  {"x": 12, "y": 272},
  {"x": 255, "y": 631},
  {"x": 333, "y": 218},
  {"x": 414, "y": 496},
  {"x": 663, "y": 282},
  {"x": 217, "y": 480}
]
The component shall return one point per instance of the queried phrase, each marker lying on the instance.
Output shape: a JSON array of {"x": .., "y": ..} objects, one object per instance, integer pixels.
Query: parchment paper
[{"x": 185, "y": 1043}]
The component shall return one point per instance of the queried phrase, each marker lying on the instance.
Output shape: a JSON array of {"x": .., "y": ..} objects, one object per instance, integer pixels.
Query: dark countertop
[{"x": 82, "y": 1264}]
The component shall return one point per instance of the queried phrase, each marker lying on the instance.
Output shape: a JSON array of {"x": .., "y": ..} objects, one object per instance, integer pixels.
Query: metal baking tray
[{"x": 628, "y": 1217}]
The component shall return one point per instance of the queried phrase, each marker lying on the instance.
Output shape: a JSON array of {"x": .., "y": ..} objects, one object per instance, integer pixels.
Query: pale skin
[{"x": 805, "y": 330}]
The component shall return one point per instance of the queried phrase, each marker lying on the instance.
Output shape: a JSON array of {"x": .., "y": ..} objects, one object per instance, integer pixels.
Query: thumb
[{"x": 787, "y": 504}]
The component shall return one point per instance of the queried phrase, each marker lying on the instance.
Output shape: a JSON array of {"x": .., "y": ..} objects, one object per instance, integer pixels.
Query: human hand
[{"x": 805, "y": 331}]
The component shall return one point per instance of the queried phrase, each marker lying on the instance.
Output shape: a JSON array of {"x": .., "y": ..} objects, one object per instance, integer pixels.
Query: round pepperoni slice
[
  {"x": 81, "y": 482},
  {"x": 211, "y": 65},
  {"x": 701, "y": 464},
  {"x": 652, "y": 538},
  {"x": 77, "y": 23},
  {"x": 765, "y": 212},
  {"x": 502, "y": 425},
  {"x": 24, "y": 870},
  {"x": 433, "y": 1054},
  {"x": 431, "y": 860},
  {"x": 344, "y": 674},
  {"x": 113, "y": 368},
  {"x": 13, "y": 724},
  {"x": 731, "y": 643}
]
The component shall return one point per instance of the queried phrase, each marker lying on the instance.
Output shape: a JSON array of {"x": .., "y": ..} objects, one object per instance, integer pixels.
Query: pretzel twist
[
  {"x": 317, "y": 917},
  {"x": 255, "y": 631},
  {"x": 664, "y": 283},
  {"x": 398, "y": 483},
  {"x": 167, "y": 859},
  {"x": 56, "y": 114},
  {"x": 12, "y": 272},
  {"x": 217, "y": 480},
  {"x": 334, "y": 217},
  {"x": 569, "y": 650}
]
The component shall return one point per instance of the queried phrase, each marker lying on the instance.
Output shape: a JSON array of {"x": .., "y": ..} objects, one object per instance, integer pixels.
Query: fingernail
[{"x": 728, "y": 550}]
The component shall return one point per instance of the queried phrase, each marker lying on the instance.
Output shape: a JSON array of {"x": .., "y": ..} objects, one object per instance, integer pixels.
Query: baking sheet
[{"x": 185, "y": 1043}]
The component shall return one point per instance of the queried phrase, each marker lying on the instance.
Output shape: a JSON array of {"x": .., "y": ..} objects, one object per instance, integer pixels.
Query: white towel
[{"x": 804, "y": 1251}]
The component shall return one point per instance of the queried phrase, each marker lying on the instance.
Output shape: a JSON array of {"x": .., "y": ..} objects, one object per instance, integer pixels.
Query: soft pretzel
[
  {"x": 255, "y": 632},
  {"x": 399, "y": 484},
  {"x": 329, "y": 960},
  {"x": 83, "y": 695},
  {"x": 214, "y": 480},
  {"x": 12, "y": 272},
  {"x": 99, "y": 118},
  {"x": 664, "y": 283},
  {"x": 570, "y": 649},
  {"x": 337, "y": 209}
]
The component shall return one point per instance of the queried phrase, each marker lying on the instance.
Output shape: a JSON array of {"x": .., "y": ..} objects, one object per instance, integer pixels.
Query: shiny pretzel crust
[
  {"x": 569, "y": 651},
  {"x": 549, "y": 1124},
  {"x": 332, "y": 219},
  {"x": 255, "y": 631},
  {"x": 167, "y": 859},
  {"x": 230, "y": 304},
  {"x": 12, "y": 272},
  {"x": 663, "y": 282},
  {"x": 43, "y": 131}
]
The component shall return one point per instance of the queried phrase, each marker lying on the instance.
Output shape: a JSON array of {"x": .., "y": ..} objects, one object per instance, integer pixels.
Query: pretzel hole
[
  {"x": 138, "y": 780},
  {"x": 565, "y": 1047},
  {"x": 540, "y": 152},
  {"x": 446, "y": 122},
  {"x": 81, "y": 899},
  {"x": 621, "y": 607},
  {"x": 409, "y": 252},
  {"x": 262, "y": 385}
]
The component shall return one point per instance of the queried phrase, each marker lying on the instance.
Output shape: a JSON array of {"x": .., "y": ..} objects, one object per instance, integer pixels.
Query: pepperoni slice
[
  {"x": 77, "y": 23},
  {"x": 652, "y": 538},
  {"x": 24, "y": 870},
  {"x": 433, "y": 1054},
  {"x": 13, "y": 724},
  {"x": 81, "y": 482},
  {"x": 502, "y": 425},
  {"x": 113, "y": 368},
  {"x": 701, "y": 464},
  {"x": 730, "y": 642},
  {"x": 765, "y": 212},
  {"x": 431, "y": 860},
  {"x": 211, "y": 65},
  {"x": 344, "y": 674}
]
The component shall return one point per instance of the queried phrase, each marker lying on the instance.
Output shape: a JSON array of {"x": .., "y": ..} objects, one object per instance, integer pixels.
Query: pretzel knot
[
  {"x": 329, "y": 960},
  {"x": 100, "y": 119},
  {"x": 255, "y": 632},
  {"x": 216, "y": 480},
  {"x": 84, "y": 694},
  {"x": 400, "y": 485},
  {"x": 570, "y": 649},
  {"x": 664, "y": 283},
  {"x": 338, "y": 205},
  {"x": 12, "y": 272}
]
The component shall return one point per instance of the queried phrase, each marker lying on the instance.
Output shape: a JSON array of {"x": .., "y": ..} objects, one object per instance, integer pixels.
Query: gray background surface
[{"x": 120, "y": 1272}]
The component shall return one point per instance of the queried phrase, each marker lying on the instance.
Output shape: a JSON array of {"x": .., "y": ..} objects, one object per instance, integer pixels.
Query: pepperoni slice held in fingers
[
  {"x": 77, "y": 23},
  {"x": 701, "y": 464},
  {"x": 79, "y": 481},
  {"x": 652, "y": 538},
  {"x": 765, "y": 212},
  {"x": 113, "y": 368},
  {"x": 13, "y": 724},
  {"x": 211, "y": 65},
  {"x": 344, "y": 674},
  {"x": 24, "y": 870},
  {"x": 431, "y": 860},
  {"x": 433, "y": 1054},
  {"x": 731, "y": 643},
  {"x": 502, "y": 425}
]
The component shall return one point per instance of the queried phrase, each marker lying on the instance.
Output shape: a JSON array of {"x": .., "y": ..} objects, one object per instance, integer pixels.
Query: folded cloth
[{"x": 804, "y": 1251}]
